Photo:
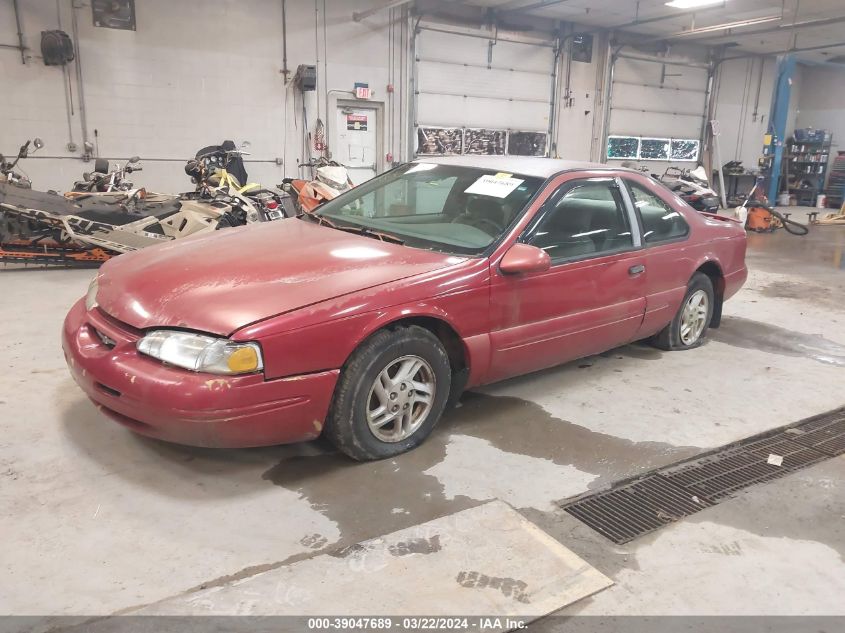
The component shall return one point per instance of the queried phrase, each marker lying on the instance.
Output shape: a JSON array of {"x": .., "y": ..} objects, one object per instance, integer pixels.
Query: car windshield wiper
[
  {"x": 319, "y": 219},
  {"x": 360, "y": 230},
  {"x": 379, "y": 235}
]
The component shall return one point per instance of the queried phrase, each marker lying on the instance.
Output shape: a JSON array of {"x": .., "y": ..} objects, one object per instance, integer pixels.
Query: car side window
[
  {"x": 660, "y": 221},
  {"x": 587, "y": 220}
]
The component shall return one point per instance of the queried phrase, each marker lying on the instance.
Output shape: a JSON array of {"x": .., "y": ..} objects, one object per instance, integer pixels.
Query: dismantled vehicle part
[
  {"x": 112, "y": 217},
  {"x": 7, "y": 168},
  {"x": 330, "y": 180},
  {"x": 105, "y": 180},
  {"x": 693, "y": 188}
]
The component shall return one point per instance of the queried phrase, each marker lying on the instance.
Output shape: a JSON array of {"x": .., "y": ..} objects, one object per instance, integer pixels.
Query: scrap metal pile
[{"x": 105, "y": 214}]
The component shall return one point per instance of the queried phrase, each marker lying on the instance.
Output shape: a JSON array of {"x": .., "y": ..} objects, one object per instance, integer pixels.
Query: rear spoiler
[{"x": 716, "y": 216}]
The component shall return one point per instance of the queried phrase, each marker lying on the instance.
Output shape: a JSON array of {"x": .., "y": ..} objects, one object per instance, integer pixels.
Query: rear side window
[
  {"x": 660, "y": 221},
  {"x": 588, "y": 220}
]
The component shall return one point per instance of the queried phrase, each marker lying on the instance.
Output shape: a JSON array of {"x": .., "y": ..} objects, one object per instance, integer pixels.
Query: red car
[{"x": 362, "y": 320}]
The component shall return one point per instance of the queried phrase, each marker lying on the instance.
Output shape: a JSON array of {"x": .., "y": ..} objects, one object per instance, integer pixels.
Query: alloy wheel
[
  {"x": 401, "y": 398},
  {"x": 694, "y": 317}
]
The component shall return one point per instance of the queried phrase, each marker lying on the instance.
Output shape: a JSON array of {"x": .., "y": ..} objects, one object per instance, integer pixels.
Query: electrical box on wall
[
  {"x": 305, "y": 78},
  {"x": 114, "y": 14},
  {"x": 582, "y": 48},
  {"x": 56, "y": 48}
]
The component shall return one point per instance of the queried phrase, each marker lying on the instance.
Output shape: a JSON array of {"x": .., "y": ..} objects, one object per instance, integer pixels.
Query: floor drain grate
[
  {"x": 668, "y": 494},
  {"x": 828, "y": 438},
  {"x": 625, "y": 513},
  {"x": 721, "y": 474}
]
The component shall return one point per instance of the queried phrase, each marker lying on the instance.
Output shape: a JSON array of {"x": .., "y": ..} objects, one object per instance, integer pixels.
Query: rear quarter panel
[{"x": 670, "y": 265}]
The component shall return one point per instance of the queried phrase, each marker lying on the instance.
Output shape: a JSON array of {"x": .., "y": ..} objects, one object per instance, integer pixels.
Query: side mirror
[
  {"x": 524, "y": 258},
  {"x": 135, "y": 159},
  {"x": 38, "y": 143}
]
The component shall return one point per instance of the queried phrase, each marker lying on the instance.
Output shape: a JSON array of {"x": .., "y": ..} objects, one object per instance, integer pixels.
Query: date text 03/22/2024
[{"x": 417, "y": 623}]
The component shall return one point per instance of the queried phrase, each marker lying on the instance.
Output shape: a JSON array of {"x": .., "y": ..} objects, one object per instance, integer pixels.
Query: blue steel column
[{"x": 778, "y": 118}]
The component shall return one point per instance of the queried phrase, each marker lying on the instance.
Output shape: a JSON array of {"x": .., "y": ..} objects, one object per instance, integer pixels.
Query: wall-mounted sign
[
  {"x": 114, "y": 14},
  {"x": 362, "y": 91},
  {"x": 356, "y": 122}
]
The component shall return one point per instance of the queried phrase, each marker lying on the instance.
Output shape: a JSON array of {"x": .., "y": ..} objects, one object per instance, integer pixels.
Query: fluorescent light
[
  {"x": 692, "y": 4},
  {"x": 728, "y": 25}
]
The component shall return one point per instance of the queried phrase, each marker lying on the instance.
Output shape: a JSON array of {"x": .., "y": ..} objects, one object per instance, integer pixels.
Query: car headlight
[
  {"x": 91, "y": 295},
  {"x": 198, "y": 352}
]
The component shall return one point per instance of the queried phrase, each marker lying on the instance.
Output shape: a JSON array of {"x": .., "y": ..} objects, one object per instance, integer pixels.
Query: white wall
[
  {"x": 743, "y": 124},
  {"x": 198, "y": 72},
  {"x": 193, "y": 74},
  {"x": 822, "y": 102}
]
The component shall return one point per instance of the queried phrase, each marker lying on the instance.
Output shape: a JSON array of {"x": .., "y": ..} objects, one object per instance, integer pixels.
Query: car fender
[
  {"x": 476, "y": 348},
  {"x": 327, "y": 345}
]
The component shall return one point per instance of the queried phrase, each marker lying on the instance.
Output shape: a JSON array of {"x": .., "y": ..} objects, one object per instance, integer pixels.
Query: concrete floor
[{"x": 97, "y": 520}]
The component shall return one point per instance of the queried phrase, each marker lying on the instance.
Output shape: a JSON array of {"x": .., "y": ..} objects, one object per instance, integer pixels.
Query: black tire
[
  {"x": 347, "y": 427},
  {"x": 670, "y": 337}
]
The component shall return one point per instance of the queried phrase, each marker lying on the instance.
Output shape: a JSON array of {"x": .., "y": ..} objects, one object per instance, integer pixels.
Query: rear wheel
[
  {"x": 689, "y": 326},
  {"x": 390, "y": 394}
]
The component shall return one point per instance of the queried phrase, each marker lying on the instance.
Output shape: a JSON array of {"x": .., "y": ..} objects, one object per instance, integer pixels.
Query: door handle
[{"x": 636, "y": 270}]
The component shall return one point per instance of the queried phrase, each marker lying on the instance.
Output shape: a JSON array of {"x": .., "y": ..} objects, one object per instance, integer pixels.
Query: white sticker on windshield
[{"x": 494, "y": 186}]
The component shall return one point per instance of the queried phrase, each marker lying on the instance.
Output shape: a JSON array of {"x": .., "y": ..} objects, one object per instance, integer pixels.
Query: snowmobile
[
  {"x": 693, "y": 187},
  {"x": 82, "y": 227}
]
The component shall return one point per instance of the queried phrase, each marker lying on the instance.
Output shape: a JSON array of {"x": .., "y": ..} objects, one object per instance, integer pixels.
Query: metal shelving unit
[
  {"x": 807, "y": 166},
  {"x": 835, "y": 192}
]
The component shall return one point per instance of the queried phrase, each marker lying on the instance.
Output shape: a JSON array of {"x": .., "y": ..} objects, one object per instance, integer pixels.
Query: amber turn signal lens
[{"x": 242, "y": 360}]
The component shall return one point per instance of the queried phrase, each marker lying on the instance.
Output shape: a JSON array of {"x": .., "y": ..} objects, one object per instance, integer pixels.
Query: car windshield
[{"x": 459, "y": 210}]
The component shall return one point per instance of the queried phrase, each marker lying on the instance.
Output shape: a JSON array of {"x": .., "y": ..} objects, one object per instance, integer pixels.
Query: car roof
[{"x": 525, "y": 165}]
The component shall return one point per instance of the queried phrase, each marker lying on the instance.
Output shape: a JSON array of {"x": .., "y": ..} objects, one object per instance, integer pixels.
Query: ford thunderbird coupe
[{"x": 363, "y": 320}]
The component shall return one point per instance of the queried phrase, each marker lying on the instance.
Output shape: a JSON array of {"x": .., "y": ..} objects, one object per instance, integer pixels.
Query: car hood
[{"x": 220, "y": 282}]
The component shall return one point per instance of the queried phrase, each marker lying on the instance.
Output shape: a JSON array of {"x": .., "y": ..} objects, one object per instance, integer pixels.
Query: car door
[
  {"x": 667, "y": 256},
  {"x": 590, "y": 300}
]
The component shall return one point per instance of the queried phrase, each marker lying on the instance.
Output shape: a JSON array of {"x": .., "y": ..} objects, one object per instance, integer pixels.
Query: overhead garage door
[
  {"x": 657, "y": 102},
  {"x": 474, "y": 96}
]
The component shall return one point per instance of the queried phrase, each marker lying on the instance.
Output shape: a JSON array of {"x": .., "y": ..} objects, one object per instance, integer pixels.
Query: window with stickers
[{"x": 450, "y": 208}]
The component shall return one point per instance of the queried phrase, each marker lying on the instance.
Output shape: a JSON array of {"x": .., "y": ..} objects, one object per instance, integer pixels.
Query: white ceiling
[{"x": 633, "y": 16}]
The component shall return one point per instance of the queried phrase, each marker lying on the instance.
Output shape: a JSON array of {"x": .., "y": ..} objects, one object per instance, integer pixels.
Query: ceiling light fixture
[
  {"x": 727, "y": 25},
  {"x": 692, "y": 4}
]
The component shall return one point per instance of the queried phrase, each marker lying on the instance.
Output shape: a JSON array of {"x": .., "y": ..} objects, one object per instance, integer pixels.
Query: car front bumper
[{"x": 186, "y": 407}]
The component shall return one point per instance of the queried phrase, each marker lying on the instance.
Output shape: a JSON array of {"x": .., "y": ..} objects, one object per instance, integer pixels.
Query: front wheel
[
  {"x": 390, "y": 394},
  {"x": 689, "y": 326}
]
